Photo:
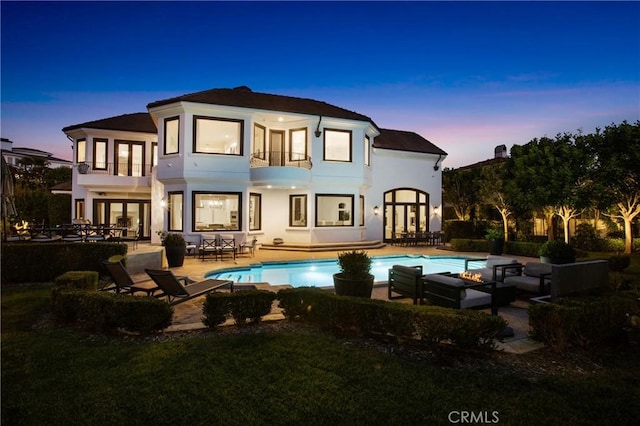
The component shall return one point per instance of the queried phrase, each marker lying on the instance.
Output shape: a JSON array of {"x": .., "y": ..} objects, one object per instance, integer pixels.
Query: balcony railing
[
  {"x": 122, "y": 169},
  {"x": 280, "y": 159}
]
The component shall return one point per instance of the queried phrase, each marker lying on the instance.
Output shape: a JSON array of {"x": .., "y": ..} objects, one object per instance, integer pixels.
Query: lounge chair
[
  {"x": 123, "y": 283},
  {"x": 178, "y": 293}
]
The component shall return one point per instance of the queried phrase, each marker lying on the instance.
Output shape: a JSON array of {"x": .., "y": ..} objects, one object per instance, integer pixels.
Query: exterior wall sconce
[
  {"x": 436, "y": 210},
  {"x": 376, "y": 210},
  {"x": 163, "y": 203}
]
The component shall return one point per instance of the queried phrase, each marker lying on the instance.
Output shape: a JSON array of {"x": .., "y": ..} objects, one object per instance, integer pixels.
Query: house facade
[{"x": 255, "y": 165}]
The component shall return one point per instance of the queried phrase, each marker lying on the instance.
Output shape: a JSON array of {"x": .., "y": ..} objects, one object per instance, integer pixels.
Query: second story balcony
[
  {"x": 280, "y": 168},
  {"x": 114, "y": 174}
]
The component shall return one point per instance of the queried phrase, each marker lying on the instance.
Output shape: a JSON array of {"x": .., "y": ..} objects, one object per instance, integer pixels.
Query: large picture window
[
  {"x": 81, "y": 151},
  {"x": 297, "y": 144},
  {"x": 337, "y": 145},
  {"x": 99, "y": 154},
  {"x": 171, "y": 135},
  {"x": 334, "y": 210},
  {"x": 176, "y": 209},
  {"x": 217, "y": 136},
  {"x": 297, "y": 210},
  {"x": 259, "y": 141},
  {"x": 217, "y": 211},
  {"x": 255, "y": 212}
]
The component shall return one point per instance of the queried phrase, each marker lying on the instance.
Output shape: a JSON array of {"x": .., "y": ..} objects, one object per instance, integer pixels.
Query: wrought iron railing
[
  {"x": 115, "y": 169},
  {"x": 280, "y": 159}
]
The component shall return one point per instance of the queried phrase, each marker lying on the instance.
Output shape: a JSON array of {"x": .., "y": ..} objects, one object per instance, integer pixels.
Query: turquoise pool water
[{"x": 319, "y": 273}]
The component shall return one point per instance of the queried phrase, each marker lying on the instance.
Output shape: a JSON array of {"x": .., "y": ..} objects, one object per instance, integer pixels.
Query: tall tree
[
  {"x": 551, "y": 175},
  {"x": 460, "y": 190},
  {"x": 616, "y": 171},
  {"x": 492, "y": 190}
]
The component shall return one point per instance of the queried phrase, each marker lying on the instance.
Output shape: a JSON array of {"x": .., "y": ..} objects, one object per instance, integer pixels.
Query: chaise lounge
[
  {"x": 177, "y": 293},
  {"x": 123, "y": 283}
]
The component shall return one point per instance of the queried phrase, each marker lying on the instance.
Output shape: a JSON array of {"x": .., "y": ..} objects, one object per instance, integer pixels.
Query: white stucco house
[{"x": 255, "y": 165}]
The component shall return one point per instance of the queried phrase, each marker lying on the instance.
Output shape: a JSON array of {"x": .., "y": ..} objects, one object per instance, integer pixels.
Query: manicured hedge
[
  {"x": 243, "y": 306},
  {"x": 515, "y": 248},
  {"x": 583, "y": 321},
  {"x": 108, "y": 311},
  {"x": 82, "y": 280},
  {"x": 30, "y": 262},
  {"x": 428, "y": 324}
]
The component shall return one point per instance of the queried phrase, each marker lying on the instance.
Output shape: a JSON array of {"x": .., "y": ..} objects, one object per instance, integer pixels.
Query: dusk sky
[{"x": 466, "y": 76}]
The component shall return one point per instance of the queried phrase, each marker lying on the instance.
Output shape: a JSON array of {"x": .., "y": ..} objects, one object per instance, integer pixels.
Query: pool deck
[{"x": 187, "y": 315}]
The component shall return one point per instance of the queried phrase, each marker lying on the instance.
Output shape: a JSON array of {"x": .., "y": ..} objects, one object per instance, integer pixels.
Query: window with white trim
[
  {"x": 334, "y": 210},
  {"x": 171, "y": 135}
]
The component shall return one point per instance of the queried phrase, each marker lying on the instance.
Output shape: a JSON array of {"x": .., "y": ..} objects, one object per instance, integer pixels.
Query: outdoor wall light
[
  {"x": 376, "y": 210},
  {"x": 436, "y": 210},
  {"x": 163, "y": 203}
]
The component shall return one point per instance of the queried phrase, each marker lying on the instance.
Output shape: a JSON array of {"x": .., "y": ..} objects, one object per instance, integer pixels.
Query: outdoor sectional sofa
[
  {"x": 533, "y": 277},
  {"x": 494, "y": 267}
]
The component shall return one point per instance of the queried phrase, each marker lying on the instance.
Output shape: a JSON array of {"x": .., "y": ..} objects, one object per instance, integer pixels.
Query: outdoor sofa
[
  {"x": 493, "y": 269},
  {"x": 532, "y": 277}
]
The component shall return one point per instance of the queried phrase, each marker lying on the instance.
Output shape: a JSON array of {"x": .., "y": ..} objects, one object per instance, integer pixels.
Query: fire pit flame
[{"x": 466, "y": 275}]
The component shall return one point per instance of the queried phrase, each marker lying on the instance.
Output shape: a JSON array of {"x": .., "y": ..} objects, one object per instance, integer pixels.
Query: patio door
[
  {"x": 129, "y": 214},
  {"x": 129, "y": 158},
  {"x": 405, "y": 211},
  {"x": 276, "y": 148}
]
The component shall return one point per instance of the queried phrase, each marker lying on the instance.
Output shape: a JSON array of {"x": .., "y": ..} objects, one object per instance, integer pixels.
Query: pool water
[{"x": 319, "y": 273}]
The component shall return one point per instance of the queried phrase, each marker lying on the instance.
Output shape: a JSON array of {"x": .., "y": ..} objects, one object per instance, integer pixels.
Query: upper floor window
[
  {"x": 217, "y": 135},
  {"x": 81, "y": 151},
  {"x": 259, "y": 141},
  {"x": 171, "y": 135},
  {"x": 337, "y": 145},
  {"x": 367, "y": 151},
  {"x": 99, "y": 154},
  {"x": 154, "y": 153},
  {"x": 298, "y": 144}
]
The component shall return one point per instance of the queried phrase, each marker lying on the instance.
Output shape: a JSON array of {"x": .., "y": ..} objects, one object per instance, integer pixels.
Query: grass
[{"x": 58, "y": 375}]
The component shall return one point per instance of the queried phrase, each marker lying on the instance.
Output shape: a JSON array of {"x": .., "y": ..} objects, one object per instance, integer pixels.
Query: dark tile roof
[
  {"x": 405, "y": 141},
  {"x": 489, "y": 162},
  {"x": 136, "y": 122},
  {"x": 245, "y": 97},
  {"x": 64, "y": 186}
]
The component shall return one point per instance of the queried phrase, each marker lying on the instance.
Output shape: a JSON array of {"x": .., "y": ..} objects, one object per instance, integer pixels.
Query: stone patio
[{"x": 188, "y": 315}]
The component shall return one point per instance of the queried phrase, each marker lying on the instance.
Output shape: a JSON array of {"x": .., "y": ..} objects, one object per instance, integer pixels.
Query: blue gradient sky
[{"x": 466, "y": 76}]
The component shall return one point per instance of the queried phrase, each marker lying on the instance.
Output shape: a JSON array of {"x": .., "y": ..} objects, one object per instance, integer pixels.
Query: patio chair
[
  {"x": 123, "y": 283},
  {"x": 228, "y": 246},
  {"x": 178, "y": 293},
  {"x": 246, "y": 248},
  {"x": 208, "y": 246}
]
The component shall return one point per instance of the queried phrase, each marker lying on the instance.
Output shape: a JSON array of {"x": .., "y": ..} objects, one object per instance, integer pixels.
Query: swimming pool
[{"x": 319, "y": 273}]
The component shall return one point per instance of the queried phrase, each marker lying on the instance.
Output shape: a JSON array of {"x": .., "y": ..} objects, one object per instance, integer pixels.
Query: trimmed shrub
[
  {"x": 22, "y": 262},
  {"x": 522, "y": 248},
  {"x": 104, "y": 311},
  {"x": 384, "y": 320},
  {"x": 619, "y": 263},
  {"x": 82, "y": 280},
  {"x": 463, "y": 327},
  {"x": 582, "y": 321},
  {"x": 459, "y": 244},
  {"x": 243, "y": 306}
]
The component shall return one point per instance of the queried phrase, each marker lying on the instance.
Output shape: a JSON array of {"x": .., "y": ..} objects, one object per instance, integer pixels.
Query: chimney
[{"x": 500, "y": 151}]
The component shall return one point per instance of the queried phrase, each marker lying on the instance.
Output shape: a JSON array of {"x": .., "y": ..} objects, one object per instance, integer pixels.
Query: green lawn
[{"x": 297, "y": 376}]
